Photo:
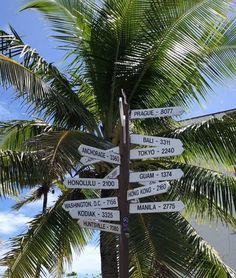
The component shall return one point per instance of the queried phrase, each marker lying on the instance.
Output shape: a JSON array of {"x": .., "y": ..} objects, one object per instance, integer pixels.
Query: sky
[{"x": 35, "y": 32}]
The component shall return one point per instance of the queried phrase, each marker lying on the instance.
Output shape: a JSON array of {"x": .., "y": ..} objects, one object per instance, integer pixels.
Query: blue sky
[{"x": 35, "y": 32}]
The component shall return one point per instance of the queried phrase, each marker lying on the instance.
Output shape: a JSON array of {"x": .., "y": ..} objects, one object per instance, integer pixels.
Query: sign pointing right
[
  {"x": 156, "y": 112},
  {"x": 155, "y": 141},
  {"x": 153, "y": 207},
  {"x": 161, "y": 175}
]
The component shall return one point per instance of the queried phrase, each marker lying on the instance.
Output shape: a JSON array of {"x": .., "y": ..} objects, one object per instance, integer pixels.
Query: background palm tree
[{"x": 162, "y": 53}]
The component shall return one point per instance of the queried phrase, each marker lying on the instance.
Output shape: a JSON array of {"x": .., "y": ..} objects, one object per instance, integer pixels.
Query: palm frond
[
  {"x": 62, "y": 147},
  {"x": 33, "y": 196},
  {"x": 205, "y": 192},
  {"x": 59, "y": 91},
  {"x": 15, "y": 133},
  {"x": 179, "y": 250},
  {"x": 20, "y": 170},
  {"x": 44, "y": 243}
]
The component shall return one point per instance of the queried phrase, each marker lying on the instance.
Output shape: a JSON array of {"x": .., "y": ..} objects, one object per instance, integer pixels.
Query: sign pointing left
[
  {"x": 104, "y": 155},
  {"x": 92, "y": 183},
  {"x": 100, "y": 214},
  {"x": 110, "y": 202}
]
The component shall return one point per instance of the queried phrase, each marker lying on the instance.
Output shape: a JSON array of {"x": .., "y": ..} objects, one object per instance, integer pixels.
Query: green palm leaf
[
  {"x": 180, "y": 251},
  {"x": 15, "y": 133},
  {"x": 45, "y": 235},
  {"x": 20, "y": 170}
]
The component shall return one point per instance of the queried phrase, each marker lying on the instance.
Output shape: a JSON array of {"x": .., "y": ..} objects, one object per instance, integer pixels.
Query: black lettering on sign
[{"x": 167, "y": 150}]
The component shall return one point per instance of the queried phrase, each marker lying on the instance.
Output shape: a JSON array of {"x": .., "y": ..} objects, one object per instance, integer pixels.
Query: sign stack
[{"x": 89, "y": 212}]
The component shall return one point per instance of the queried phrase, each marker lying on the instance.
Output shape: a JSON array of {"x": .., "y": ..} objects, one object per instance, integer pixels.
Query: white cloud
[
  {"x": 89, "y": 262},
  {"x": 4, "y": 113},
  {"x": 11, "y": 222}
]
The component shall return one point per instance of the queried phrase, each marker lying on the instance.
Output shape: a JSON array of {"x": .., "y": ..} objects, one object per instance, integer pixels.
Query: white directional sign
[
  {"x": 155, "y": 141},
  {"x": 108, "y": 156},
  {"x": 88, "y": 160},
  {"x": 161, "y": 175},
  {"x": 85, "y": 160},
  {"x": 113, "y": 174},
  {"x": 110, "y": 202},
  {"x": 155, "y": 152},
  {"x": 156, "y": 112},
  {"x": 153, "y": 207},
  {"x": 102, "y": 226},
  {"x": 92, "y": 183},
  {"x": 100, "y": 214},
  {"x": 145, "y": 191}
]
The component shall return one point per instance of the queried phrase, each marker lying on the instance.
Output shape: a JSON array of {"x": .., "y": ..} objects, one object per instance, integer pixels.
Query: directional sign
[
  {"x": 108, "y": 156},
  {"x": 155, "y": 141},
  {"x": 102, "y": 226},
  {"x": 145, "y": 191},
  {"x": 161, "y": 175},
  {"x": 153, "y": 207},
  {"x": 88, "y": 160},
  {"x": 111, "y": 202},
  {"x": 92, "y": 183},
  {"x": 113, "y": 174},
  {"x": 155, "y": 152},
  {"x": 100, "y": 214},
  {"x": 156, "y": 112}
]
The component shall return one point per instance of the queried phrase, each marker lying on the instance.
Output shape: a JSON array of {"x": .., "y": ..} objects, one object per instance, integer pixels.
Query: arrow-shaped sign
[
  {"x": 155, "y": 141},
  {"x": 145, "y": 191},
  {"x": 100, "y": 214},
  {"x": 155, "y": 152},
  {"x": 161, "y": 175},
  {"x": 113, "y": 174},
  {"x": 92, "y": 183},
  {"x": 104, "y": 155},
  {"x": 111, "y": 202},
  {"x": 102, "y": 226},
  {"x": 153, "y": 207},
  {"x": 156, "y": 112},
  {"x": 88, "y": 160}
]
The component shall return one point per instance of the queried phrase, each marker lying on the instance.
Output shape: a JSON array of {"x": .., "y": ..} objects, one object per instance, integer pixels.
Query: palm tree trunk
[
  {"x": 108, "y": 251},
  {"x": 45, "y": 202}
]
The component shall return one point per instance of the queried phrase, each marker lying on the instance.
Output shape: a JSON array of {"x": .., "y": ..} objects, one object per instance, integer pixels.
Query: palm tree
[{"x": 162, "y": 53}]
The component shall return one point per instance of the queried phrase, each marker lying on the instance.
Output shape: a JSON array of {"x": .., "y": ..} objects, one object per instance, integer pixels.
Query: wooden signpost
[{"x": 90, "y": 211}]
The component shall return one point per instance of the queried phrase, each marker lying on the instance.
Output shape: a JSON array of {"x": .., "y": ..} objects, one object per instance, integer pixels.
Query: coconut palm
[{"x": 161, "y": 53}]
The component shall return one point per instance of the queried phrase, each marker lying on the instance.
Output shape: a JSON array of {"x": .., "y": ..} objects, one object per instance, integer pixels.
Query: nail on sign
[
  {"x": 160, "y": 175},
  {"x": 156, "y": 112},
  {"x": 92, "y": 183},
  {"x": 153, "y": 207},
  {"x": 108, "y": 156},
  {"x": 102, "y": 226}
]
